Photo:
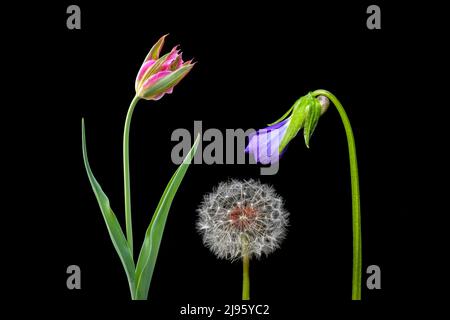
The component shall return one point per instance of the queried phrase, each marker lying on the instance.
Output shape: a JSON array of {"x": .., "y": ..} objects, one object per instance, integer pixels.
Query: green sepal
[
  {"x": 282, "y": 118},
  {"x": 312, "y": 115},
  {"x": 114, "y": 229},
  {"x": 150, "y": 247},
  {"x": 296, "y": 123}
]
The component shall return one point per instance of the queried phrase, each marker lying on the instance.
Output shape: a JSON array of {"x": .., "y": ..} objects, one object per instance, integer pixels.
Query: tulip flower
[
  {"x": 158, "y": 76},
  {"x": 267, "y": 144}
]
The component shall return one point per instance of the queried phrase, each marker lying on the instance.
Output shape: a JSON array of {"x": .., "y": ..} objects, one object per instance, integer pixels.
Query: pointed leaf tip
[
  {"x": 306, "y": 141},
  {"x": 282, "y": 117}
]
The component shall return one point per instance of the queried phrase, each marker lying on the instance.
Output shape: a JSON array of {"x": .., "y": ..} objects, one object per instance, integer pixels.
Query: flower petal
[
  {"x": 176, "y": 63},
  {"x": 163, "y": 82},
  {"x": 264, "y": 144},
  {"x": 142, "y": 71},
  {"x": 156, "y": 49},
  {"x": 154, "y": 78}
]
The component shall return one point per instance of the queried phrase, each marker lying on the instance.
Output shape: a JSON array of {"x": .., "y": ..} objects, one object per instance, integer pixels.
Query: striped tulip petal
[
  {"x": 156, "y": 49},
  {"x": 164, "y": 82},
  {"x": 143, "y": 70}
]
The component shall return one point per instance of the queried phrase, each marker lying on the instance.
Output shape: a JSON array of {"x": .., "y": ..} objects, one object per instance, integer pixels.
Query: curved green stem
[
  {"x": 356, "y": 209},
  {"x": 245, "y": 277},
  {"x": 126, "y": 173}
]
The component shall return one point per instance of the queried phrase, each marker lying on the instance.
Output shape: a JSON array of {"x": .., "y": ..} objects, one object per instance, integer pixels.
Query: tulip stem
[
  {"x": 126, "y": 173},
  {"x": 356, "y": 209}
]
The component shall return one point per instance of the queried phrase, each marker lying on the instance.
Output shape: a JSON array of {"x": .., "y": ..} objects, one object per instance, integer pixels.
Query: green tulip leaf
[
  {"x": 150, "y": 247},
  {"x": 114, "y": 229}
]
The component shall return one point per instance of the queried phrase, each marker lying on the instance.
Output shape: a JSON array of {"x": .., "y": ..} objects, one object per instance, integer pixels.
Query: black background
[{"x": 253, "y": 63}]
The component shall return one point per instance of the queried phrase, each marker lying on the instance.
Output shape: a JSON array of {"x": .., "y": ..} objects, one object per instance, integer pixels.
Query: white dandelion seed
[{"x": 242, "y": 219}]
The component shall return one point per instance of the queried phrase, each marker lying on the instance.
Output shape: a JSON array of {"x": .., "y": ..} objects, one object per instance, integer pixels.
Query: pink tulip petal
[
  {"x": 144, "y": 69},
  {"x": 161, "y": 83},
  {"x": 177, "y": 63},
  {"x": 170, "y": 59},
  {"x": 156, "y": 49},
  {"x": 154, "y": 78},
  {"x": 180, "y": 61},
  {"x": 159, "y": 96}
]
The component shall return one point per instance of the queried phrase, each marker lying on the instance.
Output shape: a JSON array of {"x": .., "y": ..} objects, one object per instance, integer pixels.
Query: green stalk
[
  {"x": 245, "y": 277},
  {"x": 356, "y": 209},
  {"x": 126, "y": 173}
]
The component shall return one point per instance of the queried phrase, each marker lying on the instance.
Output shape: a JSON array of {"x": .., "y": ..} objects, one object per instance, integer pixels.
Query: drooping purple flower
[
  {"x": 264, "y": 144},
  {"x": 267, "y": 145}
]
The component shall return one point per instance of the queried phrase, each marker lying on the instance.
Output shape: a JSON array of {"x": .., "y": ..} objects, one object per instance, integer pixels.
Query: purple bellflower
[{"x": 266, "y": 145}]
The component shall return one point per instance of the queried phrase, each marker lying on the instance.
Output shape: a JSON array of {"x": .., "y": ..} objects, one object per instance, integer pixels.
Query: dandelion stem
[
  {"x": 245, "y": 277},
  {"x": 356, "y": 209},
  {"x": 126, "y": 173}
]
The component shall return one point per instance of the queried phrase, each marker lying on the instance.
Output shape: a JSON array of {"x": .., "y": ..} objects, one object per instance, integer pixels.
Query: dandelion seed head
[{"x": 244, "y": 211}]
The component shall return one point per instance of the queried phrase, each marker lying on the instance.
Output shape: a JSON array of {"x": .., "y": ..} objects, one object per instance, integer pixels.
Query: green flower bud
[
  {"x": 312, "y": 114},
  {"x": 306, "y": 112}
]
